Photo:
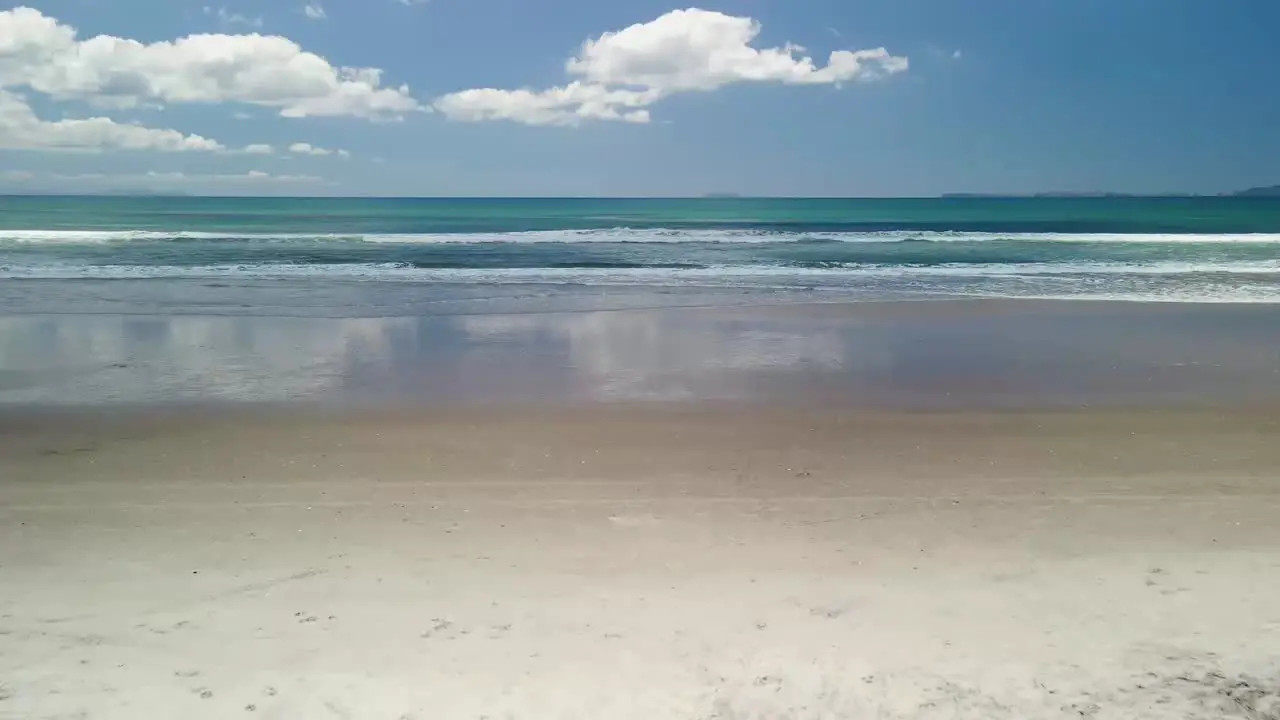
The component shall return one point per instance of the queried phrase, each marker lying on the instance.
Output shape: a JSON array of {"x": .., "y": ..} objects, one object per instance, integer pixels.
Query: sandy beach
[{"x": 796, "y": 515}]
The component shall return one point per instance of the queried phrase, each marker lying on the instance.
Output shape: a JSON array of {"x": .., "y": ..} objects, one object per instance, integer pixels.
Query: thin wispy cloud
[
  {"x": 227, "y": 17},
  {"x": 314, "y": 11},
  {"x": 153, "y": 176},
  {"x": 302, "y": 148}
]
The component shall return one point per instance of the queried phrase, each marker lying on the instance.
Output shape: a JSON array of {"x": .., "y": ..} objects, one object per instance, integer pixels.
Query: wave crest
[{"x": 620, "y": 235}]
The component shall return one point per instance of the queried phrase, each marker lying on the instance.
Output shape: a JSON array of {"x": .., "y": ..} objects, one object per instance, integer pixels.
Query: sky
[{"x": 638, "y": 97}]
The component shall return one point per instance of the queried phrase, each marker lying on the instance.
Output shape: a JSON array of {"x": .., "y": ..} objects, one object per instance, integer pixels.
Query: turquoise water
[
  {"x": 1214, "y": 249},
  {"x": 358, "y": 216}
]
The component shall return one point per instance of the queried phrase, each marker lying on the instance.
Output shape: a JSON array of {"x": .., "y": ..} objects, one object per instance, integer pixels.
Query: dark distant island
[
  {"x": 1064, "y": 194},
  {"x": 1268, "y": 191}
]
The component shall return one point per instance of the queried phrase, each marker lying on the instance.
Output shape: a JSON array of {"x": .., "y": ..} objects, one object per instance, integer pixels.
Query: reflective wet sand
[{"x": 976, "y": 355}]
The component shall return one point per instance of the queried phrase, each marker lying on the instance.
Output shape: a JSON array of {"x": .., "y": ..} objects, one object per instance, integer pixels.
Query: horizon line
[{"x": 709, "y": 197}]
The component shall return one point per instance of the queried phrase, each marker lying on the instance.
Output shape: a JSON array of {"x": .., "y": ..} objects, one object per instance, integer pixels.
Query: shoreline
[{"x": 369, "y": 297}]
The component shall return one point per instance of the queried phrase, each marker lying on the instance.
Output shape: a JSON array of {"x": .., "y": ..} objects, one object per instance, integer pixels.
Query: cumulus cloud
[
  {"x": 703, "y": 50},
  {"x": 314, "y": 11},
  {"x": 261, "y": 149},
  {"x": 45, "y": 55},
  {"x": 22, "y": 129},
  {"x": 566, "y": 105},
  {"x": 620, "y": 74},
  {"x": 309, "y": 149}
]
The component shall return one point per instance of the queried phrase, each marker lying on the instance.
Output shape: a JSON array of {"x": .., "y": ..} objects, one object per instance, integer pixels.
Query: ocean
[{"x": 357, "y": 256}]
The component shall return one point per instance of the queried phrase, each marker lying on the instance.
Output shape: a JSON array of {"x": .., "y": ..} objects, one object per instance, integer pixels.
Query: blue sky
[{"x": 976, "y": 96}]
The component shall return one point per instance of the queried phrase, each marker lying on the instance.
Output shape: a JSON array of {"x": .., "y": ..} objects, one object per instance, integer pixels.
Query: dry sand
[{"x": 640, "y": 562}]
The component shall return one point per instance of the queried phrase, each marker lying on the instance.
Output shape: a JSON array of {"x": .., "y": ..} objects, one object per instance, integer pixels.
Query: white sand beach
[{"x": 641, "y": 562}]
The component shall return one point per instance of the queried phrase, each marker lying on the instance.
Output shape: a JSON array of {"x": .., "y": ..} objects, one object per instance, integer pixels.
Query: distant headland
[{"x": 1265, "y": 191}]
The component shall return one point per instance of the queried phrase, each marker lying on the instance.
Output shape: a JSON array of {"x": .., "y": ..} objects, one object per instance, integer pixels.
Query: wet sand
[
  {"x": 787, "y": 536},
  {"x": 918, "y": 355}
]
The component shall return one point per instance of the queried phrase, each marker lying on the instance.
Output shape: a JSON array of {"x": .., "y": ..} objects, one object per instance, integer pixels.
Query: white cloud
[
  {"x": 620, "y": 74},
  {"x": 16, "y": 175},
  {"x": 703, "y": 50},
  {"x": 38, "y": 52},
  {"x": 21, "y": 129},
  {"x": 314, "y": 11},
  {"x": 566, "y": 105},
  {"x": 957, "y": 55},
  {"x": 309, "y": 149},
  {"x": 232, "y": 18},
  {"x": 260, "y": 149},
  {"x": 155, "y": 178}
]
